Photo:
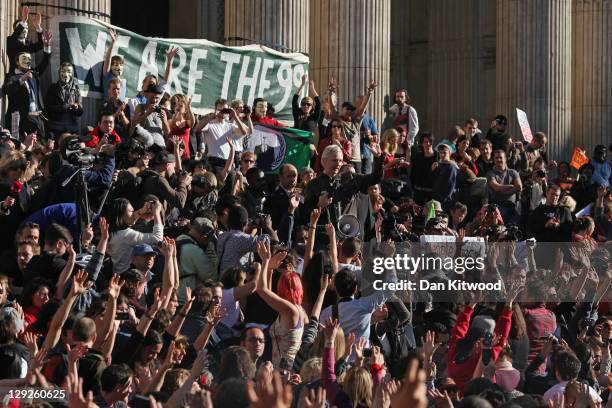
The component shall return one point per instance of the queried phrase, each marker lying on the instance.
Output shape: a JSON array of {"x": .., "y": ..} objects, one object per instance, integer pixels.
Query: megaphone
[{"x": 348, "y": 226}]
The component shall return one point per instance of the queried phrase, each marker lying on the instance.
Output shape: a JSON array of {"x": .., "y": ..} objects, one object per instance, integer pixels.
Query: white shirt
[
  {"x": 559, "y": 389},
  {"x": 352, "y": 267},
  {"x": 214, "y": 137}
]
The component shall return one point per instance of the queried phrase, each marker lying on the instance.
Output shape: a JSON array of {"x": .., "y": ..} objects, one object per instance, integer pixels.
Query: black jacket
[
  {"x": 540, "y": 217},
  {"x": 14, "y": 46},
  {"x": 61, "y": 119},
  {"x": 18, "y": 93}
]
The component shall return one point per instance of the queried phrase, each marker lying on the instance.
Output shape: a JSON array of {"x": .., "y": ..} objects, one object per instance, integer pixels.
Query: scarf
[{"x": 68, "y": 91}]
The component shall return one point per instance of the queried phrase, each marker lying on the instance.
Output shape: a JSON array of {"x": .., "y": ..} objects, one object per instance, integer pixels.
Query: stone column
[
  {"x": 205, "y": 19},
  {"x": 90, "y": 105},
  {"x": 534, "y": 68},
  {"x": 279, "y": 24},
  {"x": 458, "y": 81},
  {"x": 9, "y": 12},
  {"x": 350, "y": 40},
  {"x": 409, "y": 68},
  {"x": 592, "y": 73}
]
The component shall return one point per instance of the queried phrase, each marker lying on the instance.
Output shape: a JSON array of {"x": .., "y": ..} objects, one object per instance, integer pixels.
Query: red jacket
[
  {"x": 462, "y": 373},
  {"x": 95, "y": 137}
]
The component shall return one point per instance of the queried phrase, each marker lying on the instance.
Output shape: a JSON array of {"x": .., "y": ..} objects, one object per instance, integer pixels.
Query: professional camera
[
  {"x": 389, "y": 227},
  {"x": 503, "y": 233},
  {"x": 258, "y": 221},
  {"x": 129, "y": 152},
  {"x": 157, "y": 109},
  {"x": 79, "y": 156}
]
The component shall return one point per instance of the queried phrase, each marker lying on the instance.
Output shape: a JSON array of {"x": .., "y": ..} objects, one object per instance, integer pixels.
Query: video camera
[{"x": 79, "y": 156}]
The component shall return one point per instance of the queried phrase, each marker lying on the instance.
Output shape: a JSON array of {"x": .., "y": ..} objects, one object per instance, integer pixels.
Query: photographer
[
  {"x": 94, "y": 178},
  {"x": 150, "y": 121},
  {"x": 155, "y": 182}
]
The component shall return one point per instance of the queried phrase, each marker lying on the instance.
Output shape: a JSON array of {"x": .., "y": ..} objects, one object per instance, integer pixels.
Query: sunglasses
[
  {"x": 306, "y": 104},
  {"x": 248, "y": 161}
]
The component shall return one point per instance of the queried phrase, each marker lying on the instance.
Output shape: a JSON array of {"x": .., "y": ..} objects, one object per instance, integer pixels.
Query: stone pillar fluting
[
  {"x": 205, "y": 19},
  {"x": 534, "y": 68},
  {"x": 278, "y": 24},
  {"x": 9, "y": 12},
  {"x": 455, "y": 80},
  {"x": 591, "y": 73},
  {"x": 350, "y": 41}
]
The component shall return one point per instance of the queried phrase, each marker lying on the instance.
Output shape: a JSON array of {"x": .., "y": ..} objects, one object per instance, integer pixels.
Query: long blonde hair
[
  {"x": 12, "y": 160},
  {"x": 385, "y": 141},
  {"x": 358, "y": 385}
]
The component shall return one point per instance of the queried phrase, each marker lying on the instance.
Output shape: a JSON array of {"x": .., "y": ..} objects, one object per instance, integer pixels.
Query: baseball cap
[
  {"x": 143, "y": 249},
  {"x": 202, "y": 225}
]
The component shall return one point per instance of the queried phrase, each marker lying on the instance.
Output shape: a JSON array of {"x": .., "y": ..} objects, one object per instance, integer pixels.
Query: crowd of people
[{"x": 148, "y": 261}]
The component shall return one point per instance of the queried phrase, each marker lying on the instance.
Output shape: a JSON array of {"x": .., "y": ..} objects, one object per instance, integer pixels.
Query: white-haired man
[{"x": 331, "y": 186}]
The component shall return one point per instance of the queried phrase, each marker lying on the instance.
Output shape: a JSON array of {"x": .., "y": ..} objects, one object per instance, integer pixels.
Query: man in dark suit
[
  {"x": 18, "y": 41},
  {"x": 278, "y": 201},
  {"x": 23, "y": 88}
]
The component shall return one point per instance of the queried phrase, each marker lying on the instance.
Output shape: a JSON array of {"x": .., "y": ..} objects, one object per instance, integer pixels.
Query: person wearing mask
[
  {"x": 23, "y": 88},
  {"x": 504, "y": 186},
  {"x": 18, "y": 41},
  {"x": 63, "y": 102}
]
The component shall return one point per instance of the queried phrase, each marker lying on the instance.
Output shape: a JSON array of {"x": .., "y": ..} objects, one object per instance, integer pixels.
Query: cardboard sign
[
  {"x": 524, "y": 125},
  {"x": 579, "y": 158}
]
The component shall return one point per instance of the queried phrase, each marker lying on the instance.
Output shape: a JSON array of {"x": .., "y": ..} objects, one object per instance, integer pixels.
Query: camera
[
  {"x": 540, "y": 173},
  {"x": 555, "y": 339},
  {"x": 157, "y": 109},
  {"x": 328, "y": 270},
  {"x": 79, "y": 156},
  {"x": 226, "y": 111},
  {"x": 258, "y": 221},
  {"x": 246, "y": 109},
  {"x": 122, "y": 316},
  {"x": 367, "y": 352}
]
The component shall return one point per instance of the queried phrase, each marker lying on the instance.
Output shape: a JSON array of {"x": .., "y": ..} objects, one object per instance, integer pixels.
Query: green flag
[{"x": 276, "y": 146}]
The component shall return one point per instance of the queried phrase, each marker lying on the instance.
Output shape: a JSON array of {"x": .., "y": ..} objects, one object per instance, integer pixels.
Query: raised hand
[
  {"x": 79, "y": 283},
  {"x": 113, "y": 35},
  {"x": 263, "y": 249},
  {"x": 442, "y": 400},
  {"x": 314, "y": 217},
  {"x": 76, "y": 352},
  {"x": 277, "y": 259},
  {"x": 29, "y": 339},
  {"x": 47, "y": 36},
  {"x": 188, "y": 301},
  {"x": 25, "y": 12},
  {"x": 294, "y": 203},
  {"x": 273, "y": 395},
  {"x": 171, "y": 53},
  {"x": 377, "y": 356},
  {"x": 30, "y": 140},
  {"x": 37, "y": 22},
  {"x": 312, "y": 399},
  {"x": 429, "y": 345},
  {"x": 114, "y": 286},
  {"x": 413, "y": 392},
  {"x": 331, "y": 231},
  {"x": 372, "y": 86},
  {"x": 331, "y": 329},
  {"x": 103, "y": 225}
]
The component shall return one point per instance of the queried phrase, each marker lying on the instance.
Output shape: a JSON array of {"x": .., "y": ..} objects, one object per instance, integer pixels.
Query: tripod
[{"x": 81, "y": 200}]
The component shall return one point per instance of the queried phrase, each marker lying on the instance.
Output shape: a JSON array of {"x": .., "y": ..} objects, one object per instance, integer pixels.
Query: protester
[{"x": 215, "y": 283}]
